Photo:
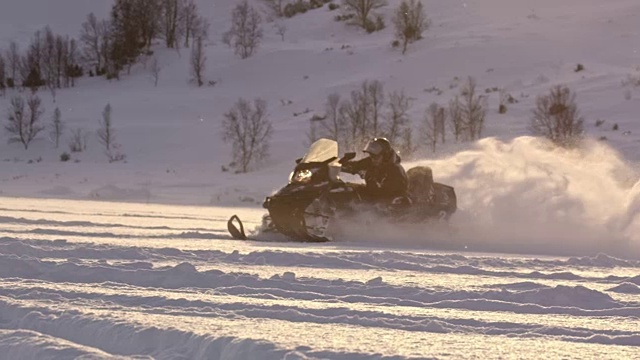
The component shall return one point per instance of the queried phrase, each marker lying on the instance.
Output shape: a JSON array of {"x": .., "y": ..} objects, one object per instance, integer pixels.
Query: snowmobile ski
[{"x": 236, "y": 233}]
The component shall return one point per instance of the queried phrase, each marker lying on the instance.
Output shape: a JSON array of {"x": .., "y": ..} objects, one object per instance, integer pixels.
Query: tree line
[
  {"x": 370, "y": 112},
  {"x": 105, "y": 47}
]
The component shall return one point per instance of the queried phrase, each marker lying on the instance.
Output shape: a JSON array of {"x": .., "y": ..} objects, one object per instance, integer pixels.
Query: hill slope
[{"x": 171, "y": 135}]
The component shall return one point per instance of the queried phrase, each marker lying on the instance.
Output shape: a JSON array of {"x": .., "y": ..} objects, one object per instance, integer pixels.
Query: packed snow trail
[{"x": 155, "y": 281}]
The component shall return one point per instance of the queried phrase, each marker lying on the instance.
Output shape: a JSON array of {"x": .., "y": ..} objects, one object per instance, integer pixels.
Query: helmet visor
[{"x": 373, "y": 148}]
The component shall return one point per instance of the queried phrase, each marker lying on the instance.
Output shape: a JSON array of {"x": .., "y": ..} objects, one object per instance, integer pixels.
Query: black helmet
[{"x": 378, "y": 146}]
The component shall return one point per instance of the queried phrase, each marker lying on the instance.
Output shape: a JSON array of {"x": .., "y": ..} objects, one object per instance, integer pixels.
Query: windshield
[{"x": 321, "y": 150}]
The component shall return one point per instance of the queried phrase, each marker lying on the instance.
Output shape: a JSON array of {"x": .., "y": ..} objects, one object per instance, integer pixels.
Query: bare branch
[
  {"x": 362, "y": 8},
  {"x": 198, "y": 61},
  {"x": 245, "y": 33},
  {"x": 249, "y": 131},
  {"x": 410, "y": 22},
  {"x": 557, "y": 118},
  {"x": 155, "y": 70}
]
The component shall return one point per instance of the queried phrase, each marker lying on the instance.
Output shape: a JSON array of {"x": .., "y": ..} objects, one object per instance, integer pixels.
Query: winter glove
[{"x": 348, "y": 168}]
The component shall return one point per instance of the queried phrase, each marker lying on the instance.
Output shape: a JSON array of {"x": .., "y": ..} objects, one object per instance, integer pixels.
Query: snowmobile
[{"x": 316, "y": 199}]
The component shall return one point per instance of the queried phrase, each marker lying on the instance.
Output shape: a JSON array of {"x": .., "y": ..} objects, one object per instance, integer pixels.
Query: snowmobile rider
[{"x": 386, "y": 182}]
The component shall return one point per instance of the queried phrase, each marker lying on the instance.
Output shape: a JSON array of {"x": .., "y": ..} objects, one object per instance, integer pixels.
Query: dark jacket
[{"x": 383, "y": 183}]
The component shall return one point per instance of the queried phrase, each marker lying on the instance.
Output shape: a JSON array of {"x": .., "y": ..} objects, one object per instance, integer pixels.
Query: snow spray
[{"x": 528, "y": 196}]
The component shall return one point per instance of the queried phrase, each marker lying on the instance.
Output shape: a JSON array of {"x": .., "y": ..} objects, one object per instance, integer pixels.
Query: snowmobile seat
[{"x": 421, "y": 189}]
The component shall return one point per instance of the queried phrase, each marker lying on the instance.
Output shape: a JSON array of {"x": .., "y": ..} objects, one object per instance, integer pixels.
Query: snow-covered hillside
[
  {"x": 171, "y": 133},
  {"x": 132, "y": 259}
]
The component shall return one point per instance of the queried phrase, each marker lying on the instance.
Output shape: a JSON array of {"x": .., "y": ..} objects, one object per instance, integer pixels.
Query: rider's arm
[{"x": 354, "y": 167}]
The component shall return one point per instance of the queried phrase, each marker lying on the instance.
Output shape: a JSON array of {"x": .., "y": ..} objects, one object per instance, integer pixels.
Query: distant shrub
[
  {"x": 298, "y": 7},
  {"x": 502, "y": 109},
  {"x": 410, "y": 21},
  {"x": 333, "y": 6},
  {"x": 78, "y": 141},
  {"x": 316, "y": 4},
  {"x": 373, "y": 26},
  {"x": 599, "y": 122},
  {"x": 65, "y": 156},
  {"x": 556, "y": 117},
  {"x": 579, "y": 68},
  {"x": 362, "y": 9},
  {"x": 615, "y": 127},
  {"x": 344, "y": 17}
]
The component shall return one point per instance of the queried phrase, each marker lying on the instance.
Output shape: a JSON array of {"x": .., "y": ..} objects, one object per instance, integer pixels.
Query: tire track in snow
[{"x": 200, "y": 296}]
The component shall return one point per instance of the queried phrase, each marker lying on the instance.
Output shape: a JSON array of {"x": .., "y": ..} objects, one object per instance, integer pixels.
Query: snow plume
[{"x": 529, "y": 196}]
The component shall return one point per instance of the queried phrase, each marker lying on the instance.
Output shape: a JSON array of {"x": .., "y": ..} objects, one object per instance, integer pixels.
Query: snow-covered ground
[
  {"x": 133, "y": 259},
  {"x": 106, "y": 279}
]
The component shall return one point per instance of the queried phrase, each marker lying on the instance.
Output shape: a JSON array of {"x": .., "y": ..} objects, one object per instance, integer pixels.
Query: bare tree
[
  {"x": 32, "y": 64},
  {"x": 362, "y": 8},
  {"x": 190, "y": 19},
  {"x": 34, "y": 103},
  {"x": 397, "y": 117},
  {"x": 410, "y": 22},
  {"x": 275, "y": 7},
  {"x": 147, "y": 19},
  {"x": 245, "y": 33},
  {"x": 78, "y": 141},
  {"x": 13, "y": 61},
  {"x": 170, "y": 21},
  {"x": 281, "y": 29},
  {"x": 155, "y": 70},
  {"x": 91, "y": 37},
  {"x": 557, "y": 118},
  {"x": 406, "y": 146},
  {"x": 15, "y": 127},
  {"x": 61, "y": 60},
  {"x": 71, "y": 68},
  {"x": 456, "y": 118},
  {"x": 24, "y": 126},
  {"x": 362, "y": 114},
  {"x": 34, "y": 53},
  {"x": 198, "y": 62},
  {"x": 355, "y": 113},
  {"x": 375, "y": 91},
  {"x": 333, "y": 124},
  {"x": 106, "y": 47},
  {"x": 473, "y": 109},
  {"x": 3, "y": 76},
  {"x": 106, "y": 136},
  {"x": 57, "y": 127},
  {"x": 105, "y": 132},
  {"x": 48, "y": 61},
  {"x": 249, "y": 131},
  {"x": 200, "y": 28},
  {"x": 432, "y": 127}
]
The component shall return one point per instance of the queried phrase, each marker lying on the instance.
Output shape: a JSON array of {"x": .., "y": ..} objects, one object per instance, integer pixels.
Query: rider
[{"x": 385, "y": 178}]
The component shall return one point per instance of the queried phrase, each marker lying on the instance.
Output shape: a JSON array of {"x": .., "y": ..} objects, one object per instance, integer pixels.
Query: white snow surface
[{"x": 132, "y": 260}]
